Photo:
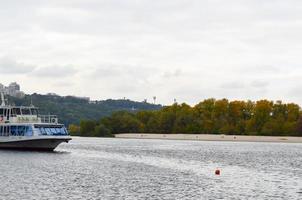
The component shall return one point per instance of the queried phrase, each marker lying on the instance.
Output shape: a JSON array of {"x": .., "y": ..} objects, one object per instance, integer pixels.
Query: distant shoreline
[{"x": 211, "y": 137}]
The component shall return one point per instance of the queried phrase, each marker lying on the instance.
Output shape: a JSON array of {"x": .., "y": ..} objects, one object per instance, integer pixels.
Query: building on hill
[
  {"x": 93, "y": 102},
  {"x": 13, "y": 89},
  {"x": 52, "y": 94},
  {"x": 81, "y": 98}
]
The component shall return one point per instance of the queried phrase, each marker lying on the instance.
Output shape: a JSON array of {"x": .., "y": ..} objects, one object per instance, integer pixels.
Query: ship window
[
  {"x": 42, "y": 130},
  {"x": 59, "y": 131},
  {"x": 53, "y": 131},
  {"x": 48, "y": 131},
  {"x": 21, "y": 130},
  {"x": 25, "y": 111},
  {"x": 13, "y": 130},
  {"x": 28, "y": 131},
  {"x": 12, "y": 113},
  {"x": 64, "y": 131},
  {"x": 5, "y": 131},
  {"x": 16, "y": 111},
  {"x": 34, "y": 111}
]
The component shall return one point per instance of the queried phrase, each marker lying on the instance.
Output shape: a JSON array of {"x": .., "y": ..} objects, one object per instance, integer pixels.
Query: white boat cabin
[
  {"x": 22, "y": 114},
  {"x": 26, "y": 121}
]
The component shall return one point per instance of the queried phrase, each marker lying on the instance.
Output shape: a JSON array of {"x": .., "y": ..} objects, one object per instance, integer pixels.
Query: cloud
[
  {"x": 237, "y": 49},
  {"x": 63, "y": 83},
  {"x": 173, "y": 73},
  {"x": 123, "y": 71},
  {"x": 259, "y": 83},
  {"x": 55, "y": 71},
  {"x": 233, "y": 85},
  {"x": 11, "y": 66},
  {"x": 106, "y": 71},
  {"x": 260, "y": 69}
]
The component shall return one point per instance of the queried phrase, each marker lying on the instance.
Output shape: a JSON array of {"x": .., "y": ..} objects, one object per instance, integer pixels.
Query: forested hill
[{"x": 71, "y": 109}]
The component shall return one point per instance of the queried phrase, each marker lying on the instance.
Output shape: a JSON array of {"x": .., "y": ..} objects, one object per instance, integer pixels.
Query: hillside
[{"x": 72, "y": 110}]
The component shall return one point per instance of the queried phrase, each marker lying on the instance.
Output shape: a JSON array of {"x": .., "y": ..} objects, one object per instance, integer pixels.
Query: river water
[{"x": 97, "y": 168}]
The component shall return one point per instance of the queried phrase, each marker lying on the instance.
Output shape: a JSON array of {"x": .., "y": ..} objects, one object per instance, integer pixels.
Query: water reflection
[{"x": 90, "y": 168}]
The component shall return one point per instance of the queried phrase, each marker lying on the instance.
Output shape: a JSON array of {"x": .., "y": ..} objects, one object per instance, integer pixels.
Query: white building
[{"x": 13, "y": 89}]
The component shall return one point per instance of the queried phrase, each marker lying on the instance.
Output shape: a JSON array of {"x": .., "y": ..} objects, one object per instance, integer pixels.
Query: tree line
[
  {"x": 210, "y": 116},
  {"x": 70, "y": 110}
]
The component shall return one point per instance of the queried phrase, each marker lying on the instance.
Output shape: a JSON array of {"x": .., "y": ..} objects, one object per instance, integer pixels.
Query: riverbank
[{"x": 207, "y": 137}]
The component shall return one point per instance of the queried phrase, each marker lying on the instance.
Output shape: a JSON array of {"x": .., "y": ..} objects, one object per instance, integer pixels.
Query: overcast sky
[{"x": 184, "y": 49}]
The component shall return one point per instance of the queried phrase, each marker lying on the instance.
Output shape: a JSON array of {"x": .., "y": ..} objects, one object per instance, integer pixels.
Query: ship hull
[{"x": 45, "y": 144}]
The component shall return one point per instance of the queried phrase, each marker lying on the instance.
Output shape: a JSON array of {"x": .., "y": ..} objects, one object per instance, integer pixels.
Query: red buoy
[{"x": 217, "y": 172}]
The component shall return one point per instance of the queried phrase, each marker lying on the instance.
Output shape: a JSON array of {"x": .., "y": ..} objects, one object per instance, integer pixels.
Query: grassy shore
[{"x": 207, "y": 137}]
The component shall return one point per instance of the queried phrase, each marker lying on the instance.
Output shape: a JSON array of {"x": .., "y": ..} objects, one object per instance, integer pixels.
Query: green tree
[
  {"x": 101, "y": 131},
  {"x": 298, "y": 130},
  {"x": 167, "y": 117},
  {"x": 209, "y": 116},
  {"x": 184, "y": 119},
  {"x": 74, "y": 129},
  {"x": 261, "y": 115},
  {"x": 123, "y": 122},
  {"x": 87, "y": 127},
  {"x": 153, "y": 124},
  {"x": 220, "y": 117},
  {"x": 203, "y": 113}
]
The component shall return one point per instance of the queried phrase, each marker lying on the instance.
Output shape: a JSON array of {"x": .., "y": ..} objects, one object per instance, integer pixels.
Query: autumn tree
[{"x": 210, "y": 116}]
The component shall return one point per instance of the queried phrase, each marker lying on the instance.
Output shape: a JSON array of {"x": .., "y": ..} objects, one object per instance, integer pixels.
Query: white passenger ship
[{"x": 21, "y": 127}]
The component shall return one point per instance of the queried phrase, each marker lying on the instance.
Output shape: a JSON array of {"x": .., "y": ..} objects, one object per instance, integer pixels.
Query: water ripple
[{"x": 90, "y": 168}]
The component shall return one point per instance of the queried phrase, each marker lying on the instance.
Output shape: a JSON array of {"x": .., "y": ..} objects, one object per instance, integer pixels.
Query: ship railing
[{"x": 52, "y": 119}]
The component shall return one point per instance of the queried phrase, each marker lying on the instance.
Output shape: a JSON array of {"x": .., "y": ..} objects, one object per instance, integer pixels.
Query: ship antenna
[{"x": 2, "y": 99}]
